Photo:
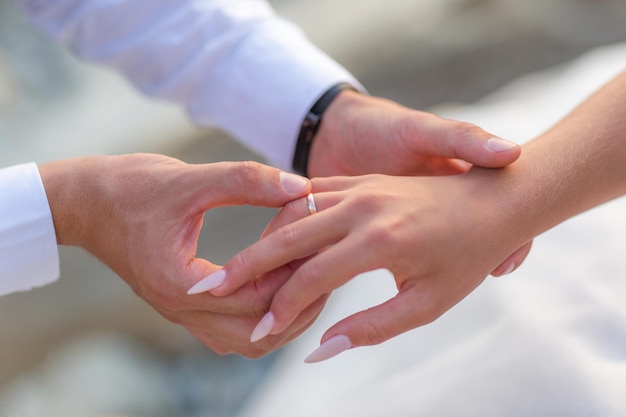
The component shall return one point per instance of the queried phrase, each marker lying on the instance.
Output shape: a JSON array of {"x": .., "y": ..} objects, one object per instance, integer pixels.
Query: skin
[
  {"x": 127, "y": 201},
  {"x": 440, "y": 236},
  {"x": 113, "y": 205},
  {"x": 360, "y": 134}
]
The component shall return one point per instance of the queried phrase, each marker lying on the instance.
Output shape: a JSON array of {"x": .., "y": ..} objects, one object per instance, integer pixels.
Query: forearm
[{"x": 576, "y": 165}]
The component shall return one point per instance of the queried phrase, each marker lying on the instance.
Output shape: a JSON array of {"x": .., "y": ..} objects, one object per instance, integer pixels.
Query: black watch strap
[{"x": 311, "y": 124}]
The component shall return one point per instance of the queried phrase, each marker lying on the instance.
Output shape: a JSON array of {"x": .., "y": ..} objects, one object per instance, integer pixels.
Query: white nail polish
[
  {"x": 499, "y": 145},
  {"x": 209, "y": 283},
  {"x": 293, "y": 183},
  {"x": 510, "y": 269},
  {"x": 262, "y": 329},
  {"x": 332, "y": 347}
]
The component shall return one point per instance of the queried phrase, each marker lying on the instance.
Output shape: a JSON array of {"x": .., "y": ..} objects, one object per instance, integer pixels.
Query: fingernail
[
  {"x": 500, "y": 145},
  {"x": 262, "y": 329},
  {"x": 209, "y": 283},
  {"x": 293, "y": 183},
  {"x": 510, "y": 269},
  {"x": 332, "y": 347}
]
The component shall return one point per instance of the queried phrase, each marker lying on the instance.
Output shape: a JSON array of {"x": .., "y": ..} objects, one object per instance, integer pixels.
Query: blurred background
[{"x": 86, "y": 345}]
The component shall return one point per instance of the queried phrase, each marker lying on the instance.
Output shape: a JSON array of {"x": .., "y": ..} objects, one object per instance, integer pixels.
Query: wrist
[
  {"x": 312, "y": 123},
  {"x": 331, "y": 152},
  {"x": 547, "y": 185},
  {"x": 67, "y": 196}
]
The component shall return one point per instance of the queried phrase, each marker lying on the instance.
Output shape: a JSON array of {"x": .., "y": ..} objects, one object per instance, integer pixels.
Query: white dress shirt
[{"x": 231, "y": 63}]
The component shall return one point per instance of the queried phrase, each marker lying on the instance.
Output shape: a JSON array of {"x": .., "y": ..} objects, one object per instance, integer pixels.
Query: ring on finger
[{"x": 311, "y": 204}]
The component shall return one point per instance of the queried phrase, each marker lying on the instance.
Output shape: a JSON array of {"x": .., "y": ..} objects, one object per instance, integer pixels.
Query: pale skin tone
[
  {"x": 440, "y": 237},
  {"x": 364, "y": 135},
  {"x": 141, "y": 214}
]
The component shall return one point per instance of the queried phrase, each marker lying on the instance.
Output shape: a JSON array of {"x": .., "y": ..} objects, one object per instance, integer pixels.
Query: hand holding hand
[
  {"x": 431, "y": 233},
  {"x": 141, "y": 215},
  {"x": 360, "y": 134}
]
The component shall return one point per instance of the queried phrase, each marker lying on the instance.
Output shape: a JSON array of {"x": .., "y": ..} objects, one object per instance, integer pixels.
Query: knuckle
[
  {"x": 256, "y": 301},
  {"x": 466, "y": 130},
  {"x": 374, "y": 335},
  {"x": 405, "y": 127},
  {"x": 294, "y": 209},
  {"x": 241, "y": 263},
  {"x": 260, "y": 305},
  {"x": 288, "y": 236},
  {"x": 381, "y": 234},
  {"x": 365, "y": 203},
  {"x": 428, "y": 310},
  {"x": 248, "y": 174},
  {"x": 161, "y": 298},
  {"x": 386, "y": 237},
  {"x": 309, "y": 276}
]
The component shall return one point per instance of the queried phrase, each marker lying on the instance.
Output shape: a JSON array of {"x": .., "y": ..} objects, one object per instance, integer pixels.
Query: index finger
[{"x": 293, "y": 241}]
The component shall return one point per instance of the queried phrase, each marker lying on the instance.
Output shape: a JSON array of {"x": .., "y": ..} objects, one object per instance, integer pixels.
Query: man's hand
[
  {"x": 360, "y": 134},
  {"x": 369, "y": 135},
  {"x": 141, "y": 215}
]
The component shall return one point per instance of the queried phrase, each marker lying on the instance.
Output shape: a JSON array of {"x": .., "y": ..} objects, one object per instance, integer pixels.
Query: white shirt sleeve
[
  {"x": 230, "y": 63},
  {"x": 28, "y": 248}
]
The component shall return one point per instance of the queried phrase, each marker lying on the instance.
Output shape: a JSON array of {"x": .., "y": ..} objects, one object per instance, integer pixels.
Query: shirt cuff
[
  {"x": 265, "y": 101},
  {"x": 29, "y": 254}
]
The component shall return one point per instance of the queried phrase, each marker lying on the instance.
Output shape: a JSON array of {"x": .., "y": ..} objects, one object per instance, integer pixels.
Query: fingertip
[
  {"x": 331, "y": 347},
  {"x": 502, "y": 152},
  {"x": 503, "y": 270},
  {"x": 511, "y": 263},
  {"x": 294, "y": 184},
  {"x": 498, "y": 145},
  {"x": 209, "y": 283},
  {"x": 263, "y": 328}
]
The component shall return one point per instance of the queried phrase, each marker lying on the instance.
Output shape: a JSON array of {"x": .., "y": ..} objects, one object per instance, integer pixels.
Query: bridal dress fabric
[{"x": 547, "y": 340}]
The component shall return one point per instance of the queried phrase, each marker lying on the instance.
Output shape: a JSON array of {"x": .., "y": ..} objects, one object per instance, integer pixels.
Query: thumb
[
  {"x": 465, "y": 141},
  {"x": 252, "y": 183}
]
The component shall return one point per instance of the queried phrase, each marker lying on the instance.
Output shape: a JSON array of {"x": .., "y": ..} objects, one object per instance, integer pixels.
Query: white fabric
[
  {"x": 231, "y": 63},
  {"x": 28, "y": 247},
  {"x": 548, "y": 340}
]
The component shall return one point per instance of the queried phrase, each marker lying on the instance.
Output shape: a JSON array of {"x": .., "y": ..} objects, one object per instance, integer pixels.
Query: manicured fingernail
[
  {"x": 510, "y": 269},
  {"x": 332, "y": 347},
  {"x": 209, "y": 283},
  {"x": 500, "y": 145},
  {"x": 293, "y": 183},
  {"x": 262, "y": 329}
]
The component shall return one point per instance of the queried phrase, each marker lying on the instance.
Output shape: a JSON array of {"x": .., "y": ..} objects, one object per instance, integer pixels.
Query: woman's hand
[{"x": 439, "y": 236}]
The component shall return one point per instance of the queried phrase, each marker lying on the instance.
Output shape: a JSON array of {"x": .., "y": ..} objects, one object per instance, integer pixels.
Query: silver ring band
[{"x": 311, "y": 204}]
